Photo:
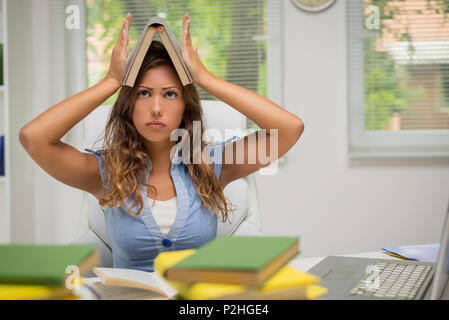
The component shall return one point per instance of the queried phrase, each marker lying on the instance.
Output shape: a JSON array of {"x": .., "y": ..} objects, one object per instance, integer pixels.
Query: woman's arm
[
  {"x": 265, "y": 113},
  {"x": 41, "y": 136}
]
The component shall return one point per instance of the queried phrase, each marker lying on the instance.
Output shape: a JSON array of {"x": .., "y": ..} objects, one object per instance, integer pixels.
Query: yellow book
[
  {"x": 164, "y": 260},
  {"x": 313, "y": 292},
  {"x": 287, "y": 283},
  {"x": 32, "y": 292}
]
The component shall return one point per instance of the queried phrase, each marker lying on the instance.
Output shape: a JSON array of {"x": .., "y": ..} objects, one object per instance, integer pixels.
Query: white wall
[
  {"x": 43, "y": 209},
  {"x": 21, "y": 85},
  {"x": 58, "y": 207},
  {"x": 334, "y": 205}
]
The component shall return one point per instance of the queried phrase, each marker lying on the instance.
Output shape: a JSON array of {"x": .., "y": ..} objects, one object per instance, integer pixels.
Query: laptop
[{"x": 349, "y": 278}]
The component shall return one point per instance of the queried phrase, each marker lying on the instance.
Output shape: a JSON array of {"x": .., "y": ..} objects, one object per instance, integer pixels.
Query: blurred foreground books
[
  {"x": 280, "y": 282},
  {"x": 287, "y": 284},
  {"x": 43, "y": 271},
  {"x": 235, "y": 260}
]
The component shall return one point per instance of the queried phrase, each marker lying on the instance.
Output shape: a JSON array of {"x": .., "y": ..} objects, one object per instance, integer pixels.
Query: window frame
[{"x": 364, "y": 144}]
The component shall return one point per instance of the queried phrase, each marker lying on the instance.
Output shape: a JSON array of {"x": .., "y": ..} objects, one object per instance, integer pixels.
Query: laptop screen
[{"x": 442, "y": 269}]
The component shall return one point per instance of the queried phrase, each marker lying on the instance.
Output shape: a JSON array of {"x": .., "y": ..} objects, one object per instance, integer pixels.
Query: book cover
[
  {"x": 175, "y": 55},
  {"x": 135, "y": 61},
  {"x": 44, "y": 264},
  {"x": 236, "y": 260}
]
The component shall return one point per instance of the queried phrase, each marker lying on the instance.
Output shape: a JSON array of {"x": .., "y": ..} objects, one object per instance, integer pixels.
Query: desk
[
  {"x": 305, "y": 264},
  {"x": 299, "y": 263}
]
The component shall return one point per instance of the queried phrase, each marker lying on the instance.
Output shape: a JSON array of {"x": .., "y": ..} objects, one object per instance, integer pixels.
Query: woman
[{"x": 137, "y": 163}]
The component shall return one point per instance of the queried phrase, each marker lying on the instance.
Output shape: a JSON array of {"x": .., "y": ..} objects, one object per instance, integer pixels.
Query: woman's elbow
[
  {"x": 25, "y": 138},
  {"x": 299, "y": 128}
]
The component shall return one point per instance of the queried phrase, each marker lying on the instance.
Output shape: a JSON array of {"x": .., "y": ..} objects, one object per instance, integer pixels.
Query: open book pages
[
  {"x": 133, "y": 279},
  {"x": 109, "y": 292}
]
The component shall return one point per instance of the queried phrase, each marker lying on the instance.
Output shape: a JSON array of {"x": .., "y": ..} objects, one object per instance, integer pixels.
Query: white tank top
[{"x": 164, "y": 212}]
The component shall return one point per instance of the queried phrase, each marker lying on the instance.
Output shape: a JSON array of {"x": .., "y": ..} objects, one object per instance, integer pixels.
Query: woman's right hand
[{"x": 117, "y": 66}]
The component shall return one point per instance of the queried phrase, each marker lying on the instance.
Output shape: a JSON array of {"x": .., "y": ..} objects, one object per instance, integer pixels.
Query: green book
[
  {"x": 44, "y": 264},
  {"x": 246, "y": 260}
]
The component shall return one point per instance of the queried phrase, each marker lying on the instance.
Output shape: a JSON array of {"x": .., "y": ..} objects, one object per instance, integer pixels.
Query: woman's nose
[{"x": 156, "y": 108}]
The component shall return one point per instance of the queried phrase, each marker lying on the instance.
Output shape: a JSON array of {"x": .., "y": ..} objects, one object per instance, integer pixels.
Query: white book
[{"x": 120, "y": 284}]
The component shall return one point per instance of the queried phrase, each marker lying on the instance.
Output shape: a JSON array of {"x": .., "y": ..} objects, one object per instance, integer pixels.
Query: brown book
[
  {"x": 135, "y": 61},
  {"x": 175, "y": 56},
  {"x": 170, "y": 42}
]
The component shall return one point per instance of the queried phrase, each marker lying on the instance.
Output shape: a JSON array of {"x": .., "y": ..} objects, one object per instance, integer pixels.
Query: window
[
  {"x": 232, "y": 38},
  {"x": 398, "y": 78}
]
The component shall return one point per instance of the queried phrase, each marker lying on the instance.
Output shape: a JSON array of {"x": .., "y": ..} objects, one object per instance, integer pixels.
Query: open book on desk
[{"x": 124, "y": 284}]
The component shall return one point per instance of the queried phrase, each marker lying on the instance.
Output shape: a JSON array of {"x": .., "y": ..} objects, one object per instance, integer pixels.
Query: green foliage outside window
[{"x": 210, "y": 29}]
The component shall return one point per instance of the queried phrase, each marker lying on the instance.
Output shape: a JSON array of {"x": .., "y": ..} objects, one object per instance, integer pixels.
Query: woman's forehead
[{"x": 160, "y": 77}]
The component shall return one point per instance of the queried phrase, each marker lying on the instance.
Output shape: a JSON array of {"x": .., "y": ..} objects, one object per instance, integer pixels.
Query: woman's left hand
[{"x": 190, "y": 53}]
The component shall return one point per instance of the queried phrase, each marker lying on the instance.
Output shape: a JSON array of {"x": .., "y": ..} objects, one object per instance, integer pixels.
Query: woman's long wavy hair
[{"x": 124, "y": 152}]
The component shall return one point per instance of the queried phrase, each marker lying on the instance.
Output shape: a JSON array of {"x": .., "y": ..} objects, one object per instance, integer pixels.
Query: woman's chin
[{"x": 156, "y": 138}]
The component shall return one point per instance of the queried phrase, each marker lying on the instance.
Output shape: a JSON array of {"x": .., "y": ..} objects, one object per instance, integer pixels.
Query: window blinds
[
  {"x": 402, "y": 47},
  {"x": 231, "y": 35}
]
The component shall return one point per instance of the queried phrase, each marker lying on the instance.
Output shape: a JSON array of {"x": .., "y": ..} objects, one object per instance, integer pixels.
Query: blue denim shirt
[{"x": 137, "y": 240}]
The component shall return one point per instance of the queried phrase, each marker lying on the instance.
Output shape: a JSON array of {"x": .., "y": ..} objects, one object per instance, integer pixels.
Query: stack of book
[
  {"x": 239, "y": 268},
  {"x": 36, "y": 272},
  {"x": 243, "y": 268}
]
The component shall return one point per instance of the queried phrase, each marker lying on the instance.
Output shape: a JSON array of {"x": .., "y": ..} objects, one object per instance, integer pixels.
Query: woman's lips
[{"x": 155, "y": 124}]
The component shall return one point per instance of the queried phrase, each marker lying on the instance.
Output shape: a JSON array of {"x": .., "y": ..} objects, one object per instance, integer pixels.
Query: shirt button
[{"x": 167, "y": 243}]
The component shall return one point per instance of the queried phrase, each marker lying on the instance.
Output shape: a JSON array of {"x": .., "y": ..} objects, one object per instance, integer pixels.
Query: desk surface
[
  {"x": 305, "y": 264},
  {"x": 302, "y": 264}
]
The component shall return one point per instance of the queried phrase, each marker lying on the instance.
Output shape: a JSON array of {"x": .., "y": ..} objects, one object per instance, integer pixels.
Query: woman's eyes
[
  {"x": 174, "y": 95},
  {"x": 142, "y": 93},
  {"x": 146, "y": 93}
]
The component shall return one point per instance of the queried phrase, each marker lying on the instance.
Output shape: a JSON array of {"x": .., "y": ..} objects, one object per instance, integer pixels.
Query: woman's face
[{"x": 160, "y": 99}]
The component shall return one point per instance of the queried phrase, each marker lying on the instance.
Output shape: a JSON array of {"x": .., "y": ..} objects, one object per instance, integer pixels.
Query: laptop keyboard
[{"x": 391, "y": 281}]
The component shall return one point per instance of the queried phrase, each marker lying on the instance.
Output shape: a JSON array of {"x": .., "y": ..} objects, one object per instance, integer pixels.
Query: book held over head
[{"x": 170, "y": 42}]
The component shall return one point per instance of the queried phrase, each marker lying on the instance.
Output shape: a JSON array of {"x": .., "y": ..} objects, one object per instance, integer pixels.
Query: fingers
[
  {"x": 123, "y": 38},
  {"x": 186, "y": 30},
  {"x": 127, "y": 21}
]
